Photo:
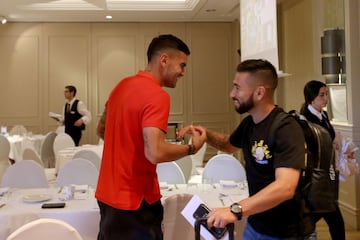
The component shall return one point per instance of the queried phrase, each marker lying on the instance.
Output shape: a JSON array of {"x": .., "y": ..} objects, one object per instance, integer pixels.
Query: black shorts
[{"x": 142, "y": 224}]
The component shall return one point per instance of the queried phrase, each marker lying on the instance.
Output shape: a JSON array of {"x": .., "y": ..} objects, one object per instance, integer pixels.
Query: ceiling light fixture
[{"x": 3, "y": 19}]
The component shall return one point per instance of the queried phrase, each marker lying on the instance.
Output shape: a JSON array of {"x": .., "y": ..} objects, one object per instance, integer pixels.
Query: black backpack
[{"x": 318, "y": 184}]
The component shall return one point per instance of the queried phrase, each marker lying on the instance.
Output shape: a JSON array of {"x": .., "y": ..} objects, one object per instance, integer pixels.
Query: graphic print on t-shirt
[{"x": 260, "y": 152}]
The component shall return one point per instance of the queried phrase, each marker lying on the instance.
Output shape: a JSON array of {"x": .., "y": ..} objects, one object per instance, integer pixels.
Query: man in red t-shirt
[{"x": 135, "y": 118}]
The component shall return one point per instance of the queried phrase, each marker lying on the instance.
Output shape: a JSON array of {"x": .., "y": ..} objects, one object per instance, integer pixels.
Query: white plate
[{"x": 36, "y": 198}]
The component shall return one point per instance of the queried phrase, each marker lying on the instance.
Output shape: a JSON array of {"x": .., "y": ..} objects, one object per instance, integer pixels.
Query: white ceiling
[{"x": 121, "y": 10}]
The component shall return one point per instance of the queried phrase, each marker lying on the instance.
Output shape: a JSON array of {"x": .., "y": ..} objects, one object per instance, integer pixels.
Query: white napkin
[
  {"x": 80, "y": 188},
  {"x": 80, "y": 191}
]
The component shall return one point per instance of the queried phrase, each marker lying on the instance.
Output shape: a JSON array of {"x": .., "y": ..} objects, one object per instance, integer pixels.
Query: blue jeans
[{"x": 251, "y": 234}]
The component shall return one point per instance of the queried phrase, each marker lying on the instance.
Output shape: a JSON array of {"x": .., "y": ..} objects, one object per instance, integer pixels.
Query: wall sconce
[{"x": 3, "y": 19}]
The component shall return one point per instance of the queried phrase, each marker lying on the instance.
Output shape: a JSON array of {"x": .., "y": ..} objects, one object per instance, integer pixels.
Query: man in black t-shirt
[{"x": 273, "y": 173}]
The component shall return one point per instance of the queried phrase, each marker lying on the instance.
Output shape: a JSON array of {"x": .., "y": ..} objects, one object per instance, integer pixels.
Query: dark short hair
[
  {"x": 71, "y": 88},
  {"x": 261, "y": 68},
  {"x": 166, "y": 41},
  {"x": 311, "y": 90}
]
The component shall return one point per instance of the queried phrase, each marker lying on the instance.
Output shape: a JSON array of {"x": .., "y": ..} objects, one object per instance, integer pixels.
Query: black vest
[{"x": 72, "y": 116}]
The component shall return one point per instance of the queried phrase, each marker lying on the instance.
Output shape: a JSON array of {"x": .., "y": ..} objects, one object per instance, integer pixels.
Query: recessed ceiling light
[
  {"x": 108, "y": 17},
  {"x": 3, "y": 19}
]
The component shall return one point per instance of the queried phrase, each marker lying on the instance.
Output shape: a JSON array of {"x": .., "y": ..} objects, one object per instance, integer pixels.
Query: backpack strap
[{"x": 274, "y": 126}]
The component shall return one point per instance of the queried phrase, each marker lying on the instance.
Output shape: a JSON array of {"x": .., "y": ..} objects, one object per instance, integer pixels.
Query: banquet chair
[
  {"x": 18, "y": 130},
  {"x": 77, "y": 171},
  {"x": 170, "y": 172},
  {"x": 198, "y": 158},
  {"x": 61, "y": 141},
  {"x": 47, "y": 151},
  {"x": 25, "y": 174},
  {"x": 176, "y": 227},
  {"x": 185, "y": 163},
  {"x": 89, "y": 155},
  {"x": 223, "y": 167},
  {"x": 44, "y": 229},
  {"x": 31, "y": 154},
  {"x": 4, "y": 155}
]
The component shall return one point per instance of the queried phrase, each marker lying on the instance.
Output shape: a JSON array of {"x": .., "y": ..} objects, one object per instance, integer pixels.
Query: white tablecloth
[
  {"x": 84, "y": 214},
  {"x": 19, "y": 143}
]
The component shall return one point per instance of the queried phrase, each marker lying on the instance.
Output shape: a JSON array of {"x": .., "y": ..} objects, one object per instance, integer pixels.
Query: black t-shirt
[{"x": 260, "y": 164}]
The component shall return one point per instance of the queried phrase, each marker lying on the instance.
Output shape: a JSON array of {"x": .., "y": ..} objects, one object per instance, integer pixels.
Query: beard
[{"x": 246, "y": 106}]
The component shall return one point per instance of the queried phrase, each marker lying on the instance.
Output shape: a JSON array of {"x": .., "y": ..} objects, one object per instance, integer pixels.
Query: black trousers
[
  {"x": 335, "y": 222},
  {"x": 75, "y": 135},
  {"x": 142, "y": 224}
]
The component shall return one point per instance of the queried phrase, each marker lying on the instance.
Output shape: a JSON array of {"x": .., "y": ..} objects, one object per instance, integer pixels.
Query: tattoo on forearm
[{"x": 217, "y": 140}]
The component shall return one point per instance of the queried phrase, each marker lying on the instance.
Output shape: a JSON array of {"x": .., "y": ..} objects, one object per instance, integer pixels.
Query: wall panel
[
  {"x": 96, "y": 56},
  {"x": 19, "y": 67}
]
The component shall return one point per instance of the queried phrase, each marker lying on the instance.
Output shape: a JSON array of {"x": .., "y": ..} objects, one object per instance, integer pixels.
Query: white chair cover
[
  {"x": 25, "y": 174},
  {"x": 4, "y": 147},
  {"x": 198, "y": 158},
  {"x": 77, "y": 171},
  {"x": 90, "y": 155},
  {"x": 170, "y": 172},
  {"x": 224, "y": 167},
  {"x": 18, "y": 130},
  {"x": 176, "y": 227},
  {"x": 185, "y": 163},
  {"x": 47, "y": 151},
  {"x": 45, "y": 229},
  {"x": 61, "y": 141},
  {"x": 31, "y": 154},
  {"x": 4, "y": 155}
]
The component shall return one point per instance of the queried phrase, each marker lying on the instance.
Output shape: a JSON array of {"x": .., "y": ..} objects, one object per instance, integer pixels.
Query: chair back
[
  {"x": 90, "y": 155},
  {"x": 44, "y": 229},
  {"x": 176, "y": 227},
  {"x": 224, "y": 167},
  {"x": 47, "y": 154},
  {"x": 4, "y": 155},
  {"x": 185, "y": 163},
  {"x": 18, "y": 130},
  {"x": 30, "y": 154},
  {"x": 25, "y": 174},
  {"x": 198, "y": 158},
  {"x": 61, "y": 141},
  {"x": 170, "y": 172},
  {"x": 4, "y": 148},
  {"x": 77, "y": 171}
]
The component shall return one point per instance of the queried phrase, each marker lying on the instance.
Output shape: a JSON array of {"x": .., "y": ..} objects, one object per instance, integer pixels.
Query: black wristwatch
[{"x": 236, "y": 209}]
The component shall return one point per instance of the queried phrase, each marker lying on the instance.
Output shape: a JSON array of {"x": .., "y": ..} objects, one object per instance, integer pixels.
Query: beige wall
[{"x": 39, "y": 59}]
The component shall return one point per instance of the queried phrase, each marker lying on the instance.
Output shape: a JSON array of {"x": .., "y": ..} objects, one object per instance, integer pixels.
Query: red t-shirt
[{"x": 126, "y": 176}]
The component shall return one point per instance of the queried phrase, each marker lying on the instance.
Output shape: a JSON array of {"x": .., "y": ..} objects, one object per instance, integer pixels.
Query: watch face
[{"x": 236, "y": 208}]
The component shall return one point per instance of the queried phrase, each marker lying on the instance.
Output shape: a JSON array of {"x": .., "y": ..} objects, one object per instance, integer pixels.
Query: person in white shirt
[{"x": 75, "y": 115}]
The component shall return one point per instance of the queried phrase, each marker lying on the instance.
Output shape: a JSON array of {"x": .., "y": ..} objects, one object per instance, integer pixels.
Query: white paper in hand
[
  {"x": 188, "y": 212},
  {"x": 55, "y": 115}
]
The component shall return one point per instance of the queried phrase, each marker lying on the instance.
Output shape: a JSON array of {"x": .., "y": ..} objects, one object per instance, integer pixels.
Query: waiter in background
[{"x": 75, "y": 115}]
